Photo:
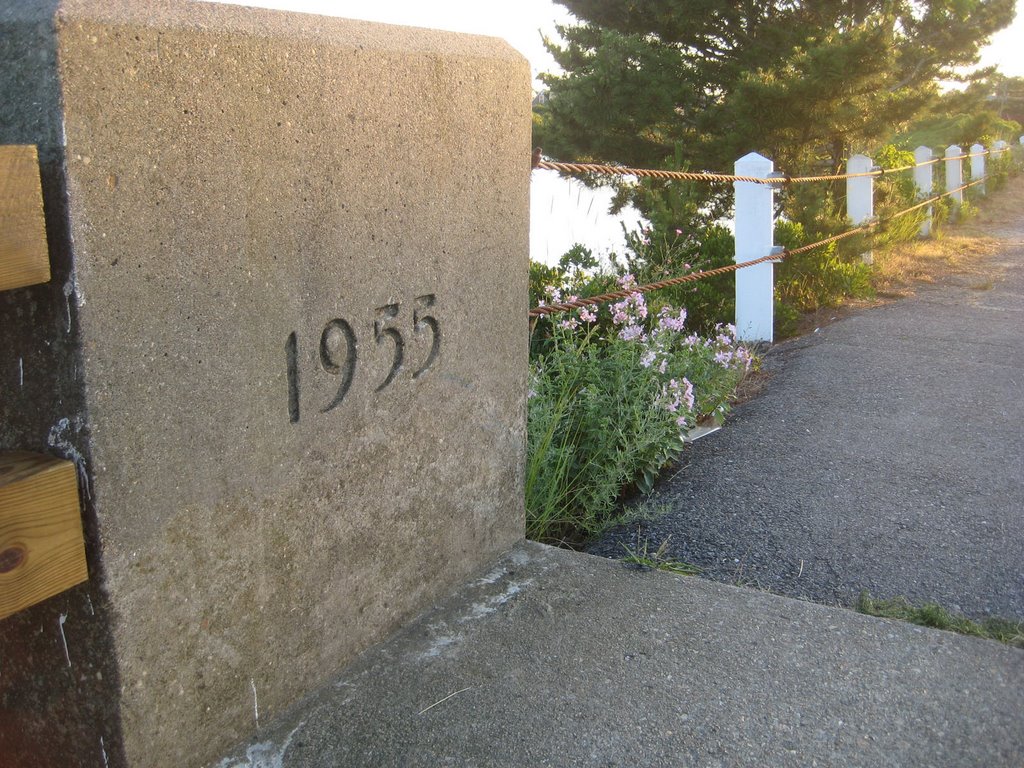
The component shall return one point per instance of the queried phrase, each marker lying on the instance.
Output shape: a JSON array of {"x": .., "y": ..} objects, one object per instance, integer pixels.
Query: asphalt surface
[
  {"x": 558, "y": 658},
  {"x": 885, "y": 453}
]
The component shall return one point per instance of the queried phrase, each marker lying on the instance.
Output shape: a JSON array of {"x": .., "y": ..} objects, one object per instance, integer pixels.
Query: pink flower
[
  {"x": 629, "y": 309},
  {"x": 677, "y": 394},
  {"x": 670, "y": 323},
  {"x": 671, "y": 392},
  {"x": 742, "y": 355},
  {"x": 688, "y": 393},
  {"x": 631, "y": 332}
]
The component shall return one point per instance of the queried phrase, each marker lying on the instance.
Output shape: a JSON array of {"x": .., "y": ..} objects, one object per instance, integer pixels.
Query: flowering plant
[{"x": 610, "y": 398}]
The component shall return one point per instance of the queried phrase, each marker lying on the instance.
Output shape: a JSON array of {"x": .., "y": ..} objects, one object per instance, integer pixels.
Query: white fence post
[
  {"x": 860, "y": 194},
  {"x": 754, "y": 225},
  {"x": 998, "y": 148},
  {"x": 923, "y": 181},
  {"x": 954, "y": 172},
  {"x": 978, "y": 165}
]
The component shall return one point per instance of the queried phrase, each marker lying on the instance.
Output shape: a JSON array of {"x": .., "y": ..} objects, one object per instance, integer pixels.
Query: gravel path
[{"x": 885, "y": 452}]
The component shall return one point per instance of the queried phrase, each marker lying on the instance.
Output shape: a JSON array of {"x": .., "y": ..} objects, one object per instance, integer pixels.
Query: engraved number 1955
[{"x": 339, "y": 350}]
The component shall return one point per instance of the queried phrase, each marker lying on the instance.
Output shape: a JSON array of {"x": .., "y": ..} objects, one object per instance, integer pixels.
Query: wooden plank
[
  {"x": 24, "y": 257},
  {"x": 42, "y": 551}
]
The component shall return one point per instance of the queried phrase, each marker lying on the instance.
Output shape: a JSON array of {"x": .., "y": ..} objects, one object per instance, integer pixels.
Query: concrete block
[{"x": 285, "y": 344}]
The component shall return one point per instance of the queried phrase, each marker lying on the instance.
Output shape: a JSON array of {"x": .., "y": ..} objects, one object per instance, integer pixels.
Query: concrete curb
[{"x": 559, "y": 658}]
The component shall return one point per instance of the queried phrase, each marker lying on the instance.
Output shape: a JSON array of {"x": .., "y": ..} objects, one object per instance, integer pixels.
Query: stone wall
[{"x": 285, "y": 342}]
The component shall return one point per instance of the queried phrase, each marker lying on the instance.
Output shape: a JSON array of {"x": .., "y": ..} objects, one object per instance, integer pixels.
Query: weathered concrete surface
[
  {"x": 559, "y": 658},
  {"x": 235, "y": 177}
]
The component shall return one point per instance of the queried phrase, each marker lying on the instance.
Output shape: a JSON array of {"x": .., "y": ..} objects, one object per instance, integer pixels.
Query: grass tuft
[
  {"x": 935, "y": 616},
  {"x": 657, "y": 560}
]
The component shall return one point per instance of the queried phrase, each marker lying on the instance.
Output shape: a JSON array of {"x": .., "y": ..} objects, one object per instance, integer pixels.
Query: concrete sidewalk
[{"x": 564, "y": 659}]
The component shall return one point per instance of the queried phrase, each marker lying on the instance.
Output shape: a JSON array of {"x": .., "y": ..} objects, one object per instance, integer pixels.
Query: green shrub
[
  {"x": 819, "y": 278},
  {"x": 577, "y": 274},
  {"x": 653, "y": 255},
  {"x": 998, "y": 170}
]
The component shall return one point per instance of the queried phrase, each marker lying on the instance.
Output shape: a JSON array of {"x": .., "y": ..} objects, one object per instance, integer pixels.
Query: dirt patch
[
  {"x": 750, "y": 386},
  {"x": 956, "y": 253},
  {"x": 961, "y": 253}
]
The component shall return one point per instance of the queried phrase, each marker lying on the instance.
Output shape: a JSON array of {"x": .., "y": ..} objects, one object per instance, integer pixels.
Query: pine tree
[{"x": 695, "y": 84}]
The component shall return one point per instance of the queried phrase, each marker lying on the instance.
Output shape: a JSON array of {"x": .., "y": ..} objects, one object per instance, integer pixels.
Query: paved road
[{"x": 886, "y": 453}]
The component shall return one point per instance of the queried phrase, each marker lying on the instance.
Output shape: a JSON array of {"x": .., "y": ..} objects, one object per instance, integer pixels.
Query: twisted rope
[
  {"x": 566, "y": 306},
  {"x": 550, "y": 309},
  {"x": 653, "y": 173},
  {"x": 621, "y": 170}
]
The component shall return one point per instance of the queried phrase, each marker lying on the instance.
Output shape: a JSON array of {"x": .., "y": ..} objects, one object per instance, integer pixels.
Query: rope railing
[
  {"x": 621, "y": 170},
  {"x": 936, "y": 198},
  {"x": 603, "y": 169},
  {"x": 589, "y": 301},
  {"x": 565, "y": 306},
  {"x": 876, "y": 173}
]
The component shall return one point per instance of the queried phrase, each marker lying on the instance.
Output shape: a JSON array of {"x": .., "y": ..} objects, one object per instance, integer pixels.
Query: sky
[
  {"x": 563, "y": 212},
  {"x": 1006, "y": 49},
  {"x": 522, "y": 22}
]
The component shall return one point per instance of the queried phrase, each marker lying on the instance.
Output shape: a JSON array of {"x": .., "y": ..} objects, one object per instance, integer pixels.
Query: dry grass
[{"x": 963, "y": 252}]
